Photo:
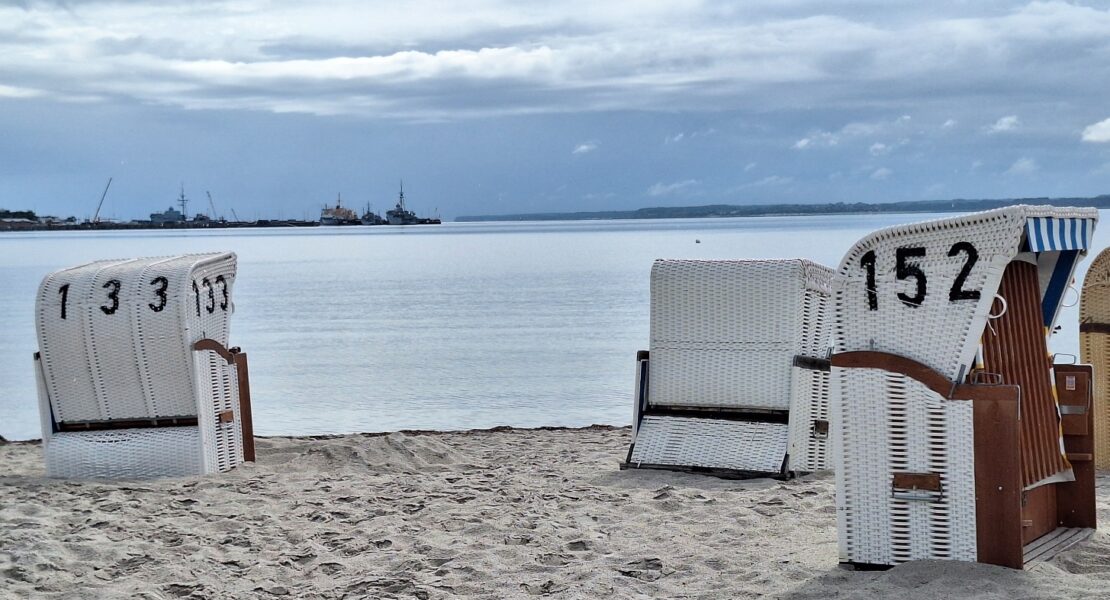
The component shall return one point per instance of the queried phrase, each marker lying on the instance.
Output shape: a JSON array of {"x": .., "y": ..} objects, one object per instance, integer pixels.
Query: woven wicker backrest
[
  {"x": 116, "y": 336},
  {"x": 1094, "y": 347},
  {"x": 924, "y": 290},
  {"x": 725, "y": 333}
]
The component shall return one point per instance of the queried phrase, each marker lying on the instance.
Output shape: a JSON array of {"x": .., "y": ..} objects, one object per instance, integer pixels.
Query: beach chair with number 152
[{"x": 949, "y": 441}]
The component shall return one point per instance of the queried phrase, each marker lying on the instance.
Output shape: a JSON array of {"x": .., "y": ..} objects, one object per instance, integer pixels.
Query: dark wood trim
[
  {"x": 997, "y": 443},
  {"x": 642, "y": 355},
  {"x": 927, "y": 376},
  {"x": 752, "y": 416},
  {"x": 867, "y": 359},
  {"x": 812, "y": 363},
  {"x": 929, "y": 482},
  {"x": 1075, "y": 500},
  {"x": 213, "y": 345},
  {"x": 246, "y": 418},
  {"x": 712, "y": 471},
  {"x": 183, "y": 421},
  {"x": 1094, "y": 327}
]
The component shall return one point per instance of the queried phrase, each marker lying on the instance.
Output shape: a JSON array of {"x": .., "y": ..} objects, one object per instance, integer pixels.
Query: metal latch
[{"x": 820, "y": 429}]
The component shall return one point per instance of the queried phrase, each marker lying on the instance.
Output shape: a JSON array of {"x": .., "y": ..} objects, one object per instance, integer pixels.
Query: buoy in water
[{"x": 697, "y": 241}]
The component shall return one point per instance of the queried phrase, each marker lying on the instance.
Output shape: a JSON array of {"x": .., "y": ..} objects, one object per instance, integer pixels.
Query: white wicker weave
[
  {"x": 1094, "y": 347},
  {"x": 115, "y": 345},
  {"x": 933, "y": 309},
  {"x": 724, "y": 337}
]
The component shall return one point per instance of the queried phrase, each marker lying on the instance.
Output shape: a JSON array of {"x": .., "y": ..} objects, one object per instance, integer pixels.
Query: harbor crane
[
  {"x": 96, "y": 216},
  {"x": 212, "y": 205}
]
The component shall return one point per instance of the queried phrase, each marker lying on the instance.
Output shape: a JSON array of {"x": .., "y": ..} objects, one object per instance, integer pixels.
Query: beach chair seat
[
  {"x": 946, "y": 404},
  {"x": 735, "y": 381},
  {"x": 1094, "y": 348},
  {"x": 135, "y": 377}
]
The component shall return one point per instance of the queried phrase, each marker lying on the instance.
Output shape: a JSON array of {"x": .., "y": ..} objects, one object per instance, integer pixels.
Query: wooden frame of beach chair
[
  {"x": 947, "y": 431},
  {"x": 1094, "y": 348},
  {"x": 735, "y": 382},
  {"x": 135, "y": 378}
]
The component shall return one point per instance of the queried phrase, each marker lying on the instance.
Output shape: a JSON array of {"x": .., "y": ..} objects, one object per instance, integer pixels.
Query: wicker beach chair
[
  {"x": 135, "y": 379},
  {"x": 735, "y": 382},
  {"x": 1094, "y": 348},
  {"x": 948, "y": 437}
]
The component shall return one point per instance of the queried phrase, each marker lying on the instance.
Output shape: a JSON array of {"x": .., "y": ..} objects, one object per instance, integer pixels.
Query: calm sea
[{"x": 458, "y": 326}]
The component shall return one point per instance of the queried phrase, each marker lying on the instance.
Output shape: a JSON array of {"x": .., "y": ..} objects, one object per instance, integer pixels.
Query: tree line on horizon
[{"x": 759, "y": 210}]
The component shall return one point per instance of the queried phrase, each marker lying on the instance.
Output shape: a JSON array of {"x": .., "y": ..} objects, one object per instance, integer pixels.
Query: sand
[{"x": 491, "y": 514}]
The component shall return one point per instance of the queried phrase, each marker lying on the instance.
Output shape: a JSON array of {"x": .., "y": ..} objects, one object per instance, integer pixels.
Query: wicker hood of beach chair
[
  {"x": 135, "y": 379},
  {"x": 949, "y": 440},
  {"x": 735, "y": 381},
  {"x": 1094, "y": 348}
]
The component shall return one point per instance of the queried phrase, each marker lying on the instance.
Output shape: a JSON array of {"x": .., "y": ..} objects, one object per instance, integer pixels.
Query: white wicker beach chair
[
  {"x": 134, "y": 376},
  {"x": 948, "y": 441},
  {"x": 735, "y": 382},
  {"x": 1094, "y": 348}
]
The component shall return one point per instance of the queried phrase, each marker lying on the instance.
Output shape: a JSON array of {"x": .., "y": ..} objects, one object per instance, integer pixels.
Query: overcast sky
[{"x": 495, "y": 106}]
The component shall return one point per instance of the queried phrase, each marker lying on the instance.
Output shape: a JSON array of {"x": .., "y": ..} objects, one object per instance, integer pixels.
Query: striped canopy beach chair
[
  {"x": 1094, "y": 348},
  {"x": 949, "y": 442},
  {"x": 135, "y": 379},
  {"x": 735, "y": 381}
]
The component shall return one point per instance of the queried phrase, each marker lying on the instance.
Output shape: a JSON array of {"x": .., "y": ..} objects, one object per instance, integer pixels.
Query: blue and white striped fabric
[{"x": 1049, "y": 234}]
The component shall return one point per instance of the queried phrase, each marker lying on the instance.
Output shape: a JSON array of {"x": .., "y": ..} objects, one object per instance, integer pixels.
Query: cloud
[
  {"x": 1007, "y": 123},
  {"x": 748, "y": 167},
  {"x": 881, "y": 174},
  {"x": 879, "y": 149},
  {"x": 584, "y": 148},
  {"x": 7, "y": 91},
  {"x": 667, "y": 189},
  {"x": 1098, "y": 132},
  {"x": 426, "y": 60},
  {"x": 949, "y": 124},
  {"x": 680, "y": 136},
  {"x": 1022, "y": 166},
  {"x": 769, "y": 181},
  {"x": 819, "y": 139}
]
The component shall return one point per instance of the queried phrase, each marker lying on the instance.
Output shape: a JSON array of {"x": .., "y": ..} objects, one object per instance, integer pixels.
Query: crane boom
[
  {"x": 96, "y": 217},
  {"x": 211, "y": 204}
]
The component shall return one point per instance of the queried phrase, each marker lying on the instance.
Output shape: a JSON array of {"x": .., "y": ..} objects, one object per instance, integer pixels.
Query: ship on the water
[
  {"x": 372, "y": 218},
  {"x": 338, "y": 215},
  {"x": 402, "y": 216}
]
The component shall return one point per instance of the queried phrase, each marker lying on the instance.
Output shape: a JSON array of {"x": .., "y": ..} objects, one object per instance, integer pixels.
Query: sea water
[{"x": 456, "y": 326}]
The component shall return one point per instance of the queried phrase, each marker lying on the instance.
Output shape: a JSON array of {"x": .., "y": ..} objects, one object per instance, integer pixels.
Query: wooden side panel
[
  {"x": 1076, "y": 499},
  {"x": 1017, "y": 349},
  {"x": 246, "y": 417},
  {"x": 998, "y": 478},
  {"x": 1038, "y": 513}
]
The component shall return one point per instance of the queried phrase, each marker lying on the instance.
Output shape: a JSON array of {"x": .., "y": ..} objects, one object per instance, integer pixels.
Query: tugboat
[
  {"x": 338, "y": 215},
  {"x": 402, "y": 216}
]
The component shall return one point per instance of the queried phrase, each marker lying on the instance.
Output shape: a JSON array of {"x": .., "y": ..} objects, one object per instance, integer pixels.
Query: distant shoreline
[{"x": 789, "y": 210}]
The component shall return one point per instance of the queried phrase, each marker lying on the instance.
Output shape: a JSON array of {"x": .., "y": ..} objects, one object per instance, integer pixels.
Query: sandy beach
[{"x": 492, "y": 514}]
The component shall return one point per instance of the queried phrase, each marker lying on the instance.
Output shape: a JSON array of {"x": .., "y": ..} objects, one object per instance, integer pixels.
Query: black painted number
[
  {"x": 196, "y": 292},
  {"x": 163, "y": 284},
  {"x": 958, "y": 292},
  {"x": 223, "y": 290},
  {"x": 905, "y": 267},
  {"x": 867, "y": 261},
  {"x": 64, "y": 291},
  {"x": 904, "y": 270},
  {"x": 211, "y": 307},
  {"x": 113, "y": 295}
]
